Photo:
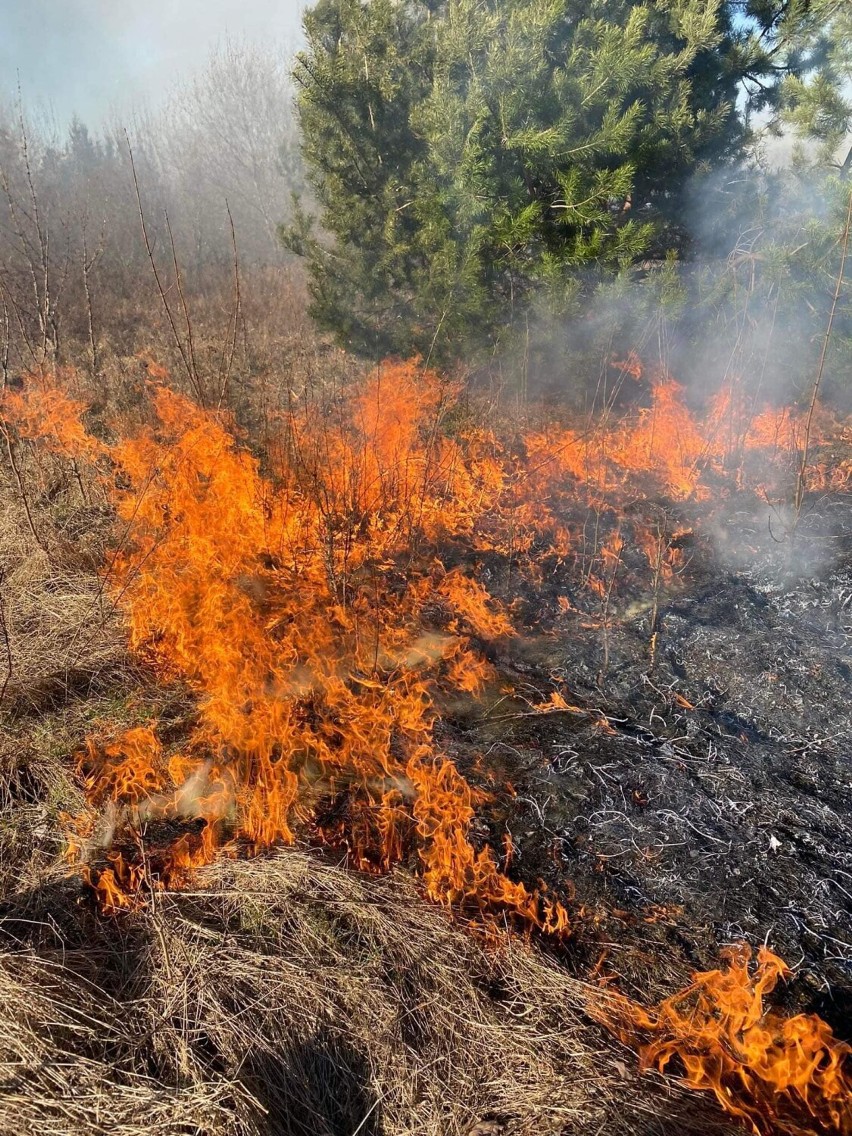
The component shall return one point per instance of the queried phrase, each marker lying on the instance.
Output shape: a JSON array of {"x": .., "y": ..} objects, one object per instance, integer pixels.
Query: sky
[{"x": 100, "y": 58}]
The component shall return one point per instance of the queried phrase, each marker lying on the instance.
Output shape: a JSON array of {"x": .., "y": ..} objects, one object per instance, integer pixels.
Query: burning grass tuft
[{"x": 782, "y": 1076}]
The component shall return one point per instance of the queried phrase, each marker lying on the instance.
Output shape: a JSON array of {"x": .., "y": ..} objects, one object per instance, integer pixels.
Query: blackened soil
[{"x": 702, "y": 792}]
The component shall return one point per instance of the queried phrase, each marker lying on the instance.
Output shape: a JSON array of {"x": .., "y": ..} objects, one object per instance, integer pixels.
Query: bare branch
[{"x": 191, "y": 375}]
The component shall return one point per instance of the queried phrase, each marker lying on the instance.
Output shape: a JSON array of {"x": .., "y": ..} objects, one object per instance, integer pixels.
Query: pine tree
[
  {"x": 366, "y": 68},
  {"x": 817, "y": 94},
  {"x": 468, "y": 156}
]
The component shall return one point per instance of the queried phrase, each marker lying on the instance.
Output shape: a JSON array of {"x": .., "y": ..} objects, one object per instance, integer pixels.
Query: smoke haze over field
[{"x": 94, "y": 57}]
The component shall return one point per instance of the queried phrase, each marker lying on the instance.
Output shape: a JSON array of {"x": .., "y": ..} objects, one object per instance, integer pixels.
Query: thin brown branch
[
  {"x": 162, "y": 292},
  {"x": 6, "y": 642},
  {"x": 190, "y": 339},
  {"x": 838, "y": 290},
  {"x": 16, "y": 471},
  {"x": 229, "y": 350}
]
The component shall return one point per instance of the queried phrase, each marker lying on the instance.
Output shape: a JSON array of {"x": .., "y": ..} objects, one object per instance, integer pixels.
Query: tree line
[
  {"x": 211, "y": 173},
  {"x": 520, "y": 186}
]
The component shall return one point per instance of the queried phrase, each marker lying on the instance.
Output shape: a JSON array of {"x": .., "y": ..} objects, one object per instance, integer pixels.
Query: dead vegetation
[{"x": 285, "y": 995}]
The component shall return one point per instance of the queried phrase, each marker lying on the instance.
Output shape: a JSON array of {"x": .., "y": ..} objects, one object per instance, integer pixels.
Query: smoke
[
  {"x": 744, "y": 308},
  {"x": 95, "y": 58}
]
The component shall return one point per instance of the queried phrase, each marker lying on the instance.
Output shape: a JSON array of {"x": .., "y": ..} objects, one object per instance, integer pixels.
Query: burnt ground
[
  {"x": 698, "y": 792},
  {"x": 704, "y": 793}
]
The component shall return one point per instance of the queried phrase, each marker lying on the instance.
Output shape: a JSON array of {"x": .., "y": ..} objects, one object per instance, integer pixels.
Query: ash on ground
[{"x": 703, "y": 793}]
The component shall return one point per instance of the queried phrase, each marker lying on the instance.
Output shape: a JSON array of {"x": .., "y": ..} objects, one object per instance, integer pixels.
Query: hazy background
[{"x": 100, "y": 58}]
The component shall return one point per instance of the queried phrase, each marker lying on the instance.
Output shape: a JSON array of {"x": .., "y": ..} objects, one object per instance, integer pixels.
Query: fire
[
  {"x": 312, "y": 617},
  {"x": 312, "y": 613},
  {"x": 780, "y": 1075},
  {"x": 322, "y": 611},
  {"x": 667, "y": 440},
  {"x": 45, "y": 410},
  {"x": 453, "y": 871}
]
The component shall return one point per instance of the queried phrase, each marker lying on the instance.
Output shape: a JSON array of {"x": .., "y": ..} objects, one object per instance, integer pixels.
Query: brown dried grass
[
  {"x": 282, "y": 996},
  {"x": 286, "y": 995}
]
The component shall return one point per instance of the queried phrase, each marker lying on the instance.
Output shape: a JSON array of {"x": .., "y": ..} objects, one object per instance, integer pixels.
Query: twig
[
  {"x": 88, "y": 265},
  {"x": 657, "y": 570},
  {"x": 8, "y": 298},
  {"x": 803, "y": 467},
  {"x": 37, "y": 258},
  {"x": 7, "y": 343},
  {"x": 229, "y": 351},
  {"x": 190, "y": 341},
  {"x": 166, "y": 306},
  {"x": 7, "y": 645},
  {"x": 10, "y": 451},
  {"x": 606, "y": 606}
]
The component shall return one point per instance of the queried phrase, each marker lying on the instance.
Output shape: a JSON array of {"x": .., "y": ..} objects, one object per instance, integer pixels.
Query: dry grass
[
  {"x": 283, "y": 996},
  {"x": 286, "y": 995},
  {"x": 56, "y": 528},
  {"x": 63, "y": 631},
  {"x": 68, "y": 654}
]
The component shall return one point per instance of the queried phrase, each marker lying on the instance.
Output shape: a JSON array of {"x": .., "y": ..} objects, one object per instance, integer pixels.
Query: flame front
[
  {"x": 311, "y": 611},
  {"x": 778, "y": 1074},
  {"x": 311, "y": 615},
  {"x": 321, "y": 611}
]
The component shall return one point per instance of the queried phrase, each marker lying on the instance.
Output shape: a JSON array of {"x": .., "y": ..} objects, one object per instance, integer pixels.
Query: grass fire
[{"x": 426, "y": 580}]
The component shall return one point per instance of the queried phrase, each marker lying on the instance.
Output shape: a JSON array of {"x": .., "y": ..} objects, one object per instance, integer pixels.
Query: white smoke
[{"x": 100, "y": 60}]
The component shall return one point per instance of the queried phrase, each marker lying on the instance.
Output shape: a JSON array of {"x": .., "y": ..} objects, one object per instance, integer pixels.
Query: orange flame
[
  {"x": 43, "y": 409},
  {"x": 779, "y": 1074},
  {"x": 314, "y": 619},
  {"x": 296, "y": 612},
  {"x": 312, "y": 615}
]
